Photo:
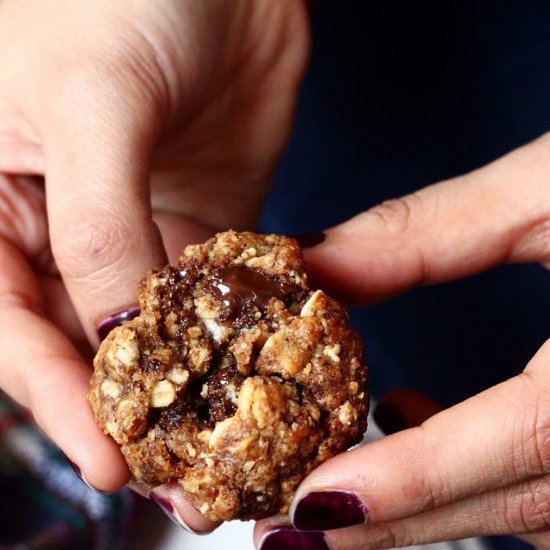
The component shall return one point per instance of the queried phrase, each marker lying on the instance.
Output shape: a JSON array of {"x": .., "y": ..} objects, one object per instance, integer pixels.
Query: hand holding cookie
[
  {"x": 481, "y": 467},
  {"x": 135, "y": 114}
]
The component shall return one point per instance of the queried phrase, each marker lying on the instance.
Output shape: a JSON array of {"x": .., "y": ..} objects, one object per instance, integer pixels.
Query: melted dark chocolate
[
  {"x": 220, "y": 403},
  {"x": 240, "y": 287}
]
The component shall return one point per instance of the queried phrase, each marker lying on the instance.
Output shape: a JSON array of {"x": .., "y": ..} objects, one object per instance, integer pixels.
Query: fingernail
[
  {"x": 309, "y": 240},
  {"x": 78, "y": 472},
  {"x": 80, "y": 475},
  {"x": 166, "y": 505},
  {"x": 325, "y": 510},
  {"x": 388, "y": 418},
  {"x": 115, "y": 320},
  {"x": 290, "y": 539}
]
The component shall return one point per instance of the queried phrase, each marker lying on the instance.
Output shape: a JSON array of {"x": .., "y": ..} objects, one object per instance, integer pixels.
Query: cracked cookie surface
[{"x": 236, "y": 379}]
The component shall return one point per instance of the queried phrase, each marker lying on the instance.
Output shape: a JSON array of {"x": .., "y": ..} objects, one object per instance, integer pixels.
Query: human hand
[
  {"x": 142, "y": 116},
  {"x": 481, "y": 467}
]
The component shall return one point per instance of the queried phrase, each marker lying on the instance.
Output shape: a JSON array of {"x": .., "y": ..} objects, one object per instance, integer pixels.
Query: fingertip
[
  {"x": 171, "y": 500},
  {"x": 328, "y": 509},
  {"x": 60, "y": 407},
  {"x": 339, "y": 495},
  {"x": 325, "y": 256},
  {"x": 349, "y": 266},
  {"x": 98, "y": 485},
  {"x": 263, "y": 526},
  {"x": 106, "y": 470}
]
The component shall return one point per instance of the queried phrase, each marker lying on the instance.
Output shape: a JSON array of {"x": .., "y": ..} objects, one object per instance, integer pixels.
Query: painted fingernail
[
  {"x": 166, "y": 505},
  {"x": 309, "y": 240},
  {"x": 115, "y": 320},
  {"x": 325, "y": 510},
  {"x": 389, "y": 419},
  {"x": 80, "y": 475},
  {"x": 78, "y": 472},
  {"x": 290, "y": 539}
]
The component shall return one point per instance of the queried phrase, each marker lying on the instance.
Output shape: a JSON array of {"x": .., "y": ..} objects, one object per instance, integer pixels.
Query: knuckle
[
  {"x": 428, "y": 484},
  {"x": 533, "y": 512},
  {"x": 434, "y": 492},
  {"x": 387, "y": 535},
  {"x": 402, "y": 536},
  {"x": 542, "y": 440},
  {"x": 534, "y": 244},
  {"x": 531, "y": 442},
  {"x": 401, "y": 219},
  {"x": 429, "y": 494},
  {"x": 89, "y": 245},
  {"x": 378, "y": 536},
  {"x": 397, "y": 215}
]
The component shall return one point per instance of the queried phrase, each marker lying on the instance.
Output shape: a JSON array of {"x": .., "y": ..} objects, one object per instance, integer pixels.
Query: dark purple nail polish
[
  {"x": 76, "y": 469},
  {"x": 78, "y": 472},
  {"x": 290, "y": 539},
  {"x": 325, "y": 510},
  {"x": 115, "y": 320},
  {"x": 163, "y": 503},
  {"x": 388, "y": 418},
  {"x": 309, "y": 240}
]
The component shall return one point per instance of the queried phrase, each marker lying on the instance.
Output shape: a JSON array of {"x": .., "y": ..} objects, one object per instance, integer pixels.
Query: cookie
[{"x": 236, "y": 379}]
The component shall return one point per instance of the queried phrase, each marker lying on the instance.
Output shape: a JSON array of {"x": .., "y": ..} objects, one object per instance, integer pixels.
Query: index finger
[{"x": 445, "y": 231}]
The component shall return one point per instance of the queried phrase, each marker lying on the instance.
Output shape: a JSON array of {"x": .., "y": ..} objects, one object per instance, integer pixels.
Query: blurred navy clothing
[{"x": 397, "y": 96}]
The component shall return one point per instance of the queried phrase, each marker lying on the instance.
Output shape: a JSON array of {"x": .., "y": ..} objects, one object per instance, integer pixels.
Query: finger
[
  {"x": 97, "y": 145},
  {"x": 170, "y": 499},
  {"x": 495, "y": 439},
  {"x": 172, "y": 502},
  {"x": 177, "y": 232},
  {"x": 403, "y": 408},
  {"x": 446, "y": 231},
  {"x": 520, "y": 509},
  {"x": 41, "y": 370}
]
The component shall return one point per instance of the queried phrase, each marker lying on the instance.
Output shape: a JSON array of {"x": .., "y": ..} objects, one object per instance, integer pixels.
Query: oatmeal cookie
[{"x": 236, "y": 379}]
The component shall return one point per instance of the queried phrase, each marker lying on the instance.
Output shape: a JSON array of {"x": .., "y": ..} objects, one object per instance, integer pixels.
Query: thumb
[
  {"x": 445, "y": 231},
  {"x": 98, "y": 147}
]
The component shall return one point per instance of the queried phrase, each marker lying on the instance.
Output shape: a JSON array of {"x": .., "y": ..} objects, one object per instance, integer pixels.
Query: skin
[{"x": 136, "y": 115}]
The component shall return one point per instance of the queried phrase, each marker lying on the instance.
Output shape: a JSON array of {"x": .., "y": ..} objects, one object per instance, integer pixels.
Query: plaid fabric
[{"x": 43, "y": 504}]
